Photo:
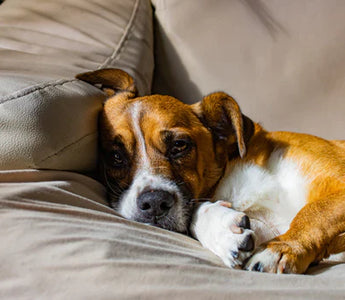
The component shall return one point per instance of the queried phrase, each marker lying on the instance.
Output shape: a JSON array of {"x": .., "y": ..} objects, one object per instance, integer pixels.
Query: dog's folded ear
[
  {"x": 222, "y": 115},
  {"x": 111, "y": 81}
]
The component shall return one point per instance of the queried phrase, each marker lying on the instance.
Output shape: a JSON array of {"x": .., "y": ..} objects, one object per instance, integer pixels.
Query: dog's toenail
[
  {"x": 234, "y": 254},
  {"x": 258, "y": 267},
  {"x": 244, "y": 223},
  {"x": 225, "y": 204},
  {"x": 247, "y": 244}
]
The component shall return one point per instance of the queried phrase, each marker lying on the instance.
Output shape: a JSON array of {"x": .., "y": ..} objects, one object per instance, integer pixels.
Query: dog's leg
[
  {"x": 314, "y": 229},
  {"x": 337, "y": 245},
  {"x": 224, "y": 231},
  {"x": 336, "y": 249}
]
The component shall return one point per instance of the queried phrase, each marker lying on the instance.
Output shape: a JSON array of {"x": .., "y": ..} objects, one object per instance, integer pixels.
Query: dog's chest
[{"x": 273, "y": 194}]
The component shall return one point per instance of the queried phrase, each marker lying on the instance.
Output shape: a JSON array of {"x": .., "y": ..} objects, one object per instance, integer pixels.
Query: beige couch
[{"x": 282, "y": 60}]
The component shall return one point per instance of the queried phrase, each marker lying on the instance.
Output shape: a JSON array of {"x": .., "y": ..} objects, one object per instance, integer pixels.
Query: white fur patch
[
  {"x": 273, "y": 194},
  {"x": 211, "y": 225},
  {"x": 144, "y": 159}
]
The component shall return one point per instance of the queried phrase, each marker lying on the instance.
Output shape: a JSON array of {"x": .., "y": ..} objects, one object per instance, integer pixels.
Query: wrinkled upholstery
[
  {"x": 59, "y": 240},
  {"x": 47, "y": 118}
]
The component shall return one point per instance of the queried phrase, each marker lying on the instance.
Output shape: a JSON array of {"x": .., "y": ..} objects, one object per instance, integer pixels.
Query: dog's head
[{"x": 157, "y": 153}]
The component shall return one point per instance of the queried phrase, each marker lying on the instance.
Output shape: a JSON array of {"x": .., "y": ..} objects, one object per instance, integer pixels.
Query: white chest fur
[{"x": 272, "y": 195}]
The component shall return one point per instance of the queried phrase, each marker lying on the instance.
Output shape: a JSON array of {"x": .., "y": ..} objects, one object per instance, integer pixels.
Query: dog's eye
[
  {"x": 179, "y": 147},
  {"x": 117, "y": 158}
]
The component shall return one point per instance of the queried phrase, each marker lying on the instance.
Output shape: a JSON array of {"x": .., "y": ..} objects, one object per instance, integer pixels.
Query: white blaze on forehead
[
  {"x": 144, "y": 176},
  {"x": 138, "y": 133}
]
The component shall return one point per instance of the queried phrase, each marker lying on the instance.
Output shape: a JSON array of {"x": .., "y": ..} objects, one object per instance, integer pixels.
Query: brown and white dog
[{"x": 158, "y": 154}]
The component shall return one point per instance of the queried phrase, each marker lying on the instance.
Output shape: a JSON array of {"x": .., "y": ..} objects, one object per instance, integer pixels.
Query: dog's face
[
  {"x": 157, "y": 157},
  {"x": 157, "y": 154}
]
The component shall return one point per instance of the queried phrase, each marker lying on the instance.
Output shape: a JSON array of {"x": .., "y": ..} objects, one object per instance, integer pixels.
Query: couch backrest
[{"x": 284, "y": 61}]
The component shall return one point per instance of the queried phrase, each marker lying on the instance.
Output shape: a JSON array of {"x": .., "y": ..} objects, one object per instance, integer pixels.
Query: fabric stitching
[
  {"x": 124, "y": 36},
  {"x": 66, "y": 147},
  {"x": 38, "y": 88},
  {"x": 30, "y": 90},
  {"x": 115, "y": 53}
]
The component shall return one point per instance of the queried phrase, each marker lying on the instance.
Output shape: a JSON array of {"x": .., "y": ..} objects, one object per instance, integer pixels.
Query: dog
[{"x": 263, "y": 201}]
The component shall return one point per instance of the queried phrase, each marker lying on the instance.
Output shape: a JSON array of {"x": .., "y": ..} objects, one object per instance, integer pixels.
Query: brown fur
[{"x": 199, "y": 170}]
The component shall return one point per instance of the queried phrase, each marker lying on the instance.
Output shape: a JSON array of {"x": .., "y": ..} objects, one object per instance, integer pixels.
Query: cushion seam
[
  {"x": 124, "y": 36},
  {"x": 67, "y": 146},
  {"x": 31, "y": 90},
  {"x": 115, "y": 53}
]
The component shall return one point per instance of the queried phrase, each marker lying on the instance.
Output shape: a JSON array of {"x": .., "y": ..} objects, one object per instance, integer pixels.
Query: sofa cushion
[
  {"x": 47, "y": 118},
  {"x": 284, "y": 61},
  {"x": 59, "y": 240}
]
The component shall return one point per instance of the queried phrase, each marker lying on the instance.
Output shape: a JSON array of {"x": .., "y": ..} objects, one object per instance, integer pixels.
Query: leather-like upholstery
[{"x": 47, "y": 118}]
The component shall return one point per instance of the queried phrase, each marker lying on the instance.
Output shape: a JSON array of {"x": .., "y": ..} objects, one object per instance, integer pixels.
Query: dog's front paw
[
  {"x": 224, "y": 231},
  {"x": 279, "y": 257}
]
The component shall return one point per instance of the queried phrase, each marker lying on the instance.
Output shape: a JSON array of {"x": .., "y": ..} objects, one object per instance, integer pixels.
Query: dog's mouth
[
  {"x": 174, "y": 221},
  {"x": 165, "y": 222}
]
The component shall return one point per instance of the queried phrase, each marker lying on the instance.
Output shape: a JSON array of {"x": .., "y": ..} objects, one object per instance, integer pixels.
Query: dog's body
[
  {"x": 159, "y": 154},
  {"x": 292, "y": 188}
]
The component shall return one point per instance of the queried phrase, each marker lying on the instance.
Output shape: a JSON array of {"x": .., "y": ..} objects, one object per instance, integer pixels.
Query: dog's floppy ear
[
  {"x": 111, "y": 81},
  {"x": 222, "y": 115}
]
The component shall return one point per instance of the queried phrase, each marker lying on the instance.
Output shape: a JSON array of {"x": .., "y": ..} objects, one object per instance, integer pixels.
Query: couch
[{"x": 284, "y": 62}]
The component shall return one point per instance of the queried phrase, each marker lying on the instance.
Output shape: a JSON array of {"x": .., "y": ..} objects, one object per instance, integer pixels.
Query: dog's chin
[{"x": 169, "y": 222}]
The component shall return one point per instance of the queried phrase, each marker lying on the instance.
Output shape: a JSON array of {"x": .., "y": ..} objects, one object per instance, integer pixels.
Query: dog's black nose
[{"x": 155, "y": 203}]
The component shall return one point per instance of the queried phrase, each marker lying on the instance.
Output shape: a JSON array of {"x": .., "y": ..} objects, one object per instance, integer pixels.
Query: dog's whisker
[
  {"x": 117, "y": 194},
  {"x": 109, "y": 185}
]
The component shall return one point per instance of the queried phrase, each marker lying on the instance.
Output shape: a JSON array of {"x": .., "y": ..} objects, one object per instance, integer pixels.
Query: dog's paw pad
[
  {"x": 247, "y": 244},
  {"x": 244, "y": 223}
]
